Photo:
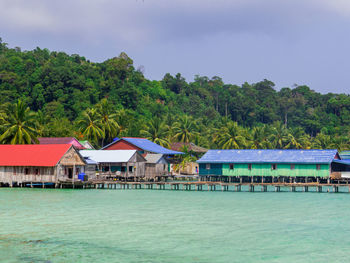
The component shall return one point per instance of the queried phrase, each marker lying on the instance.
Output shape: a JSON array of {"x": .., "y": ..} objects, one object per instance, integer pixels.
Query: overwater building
[
  {"x": 268, "y": 164},
  {"x": 40, "y": 163}
]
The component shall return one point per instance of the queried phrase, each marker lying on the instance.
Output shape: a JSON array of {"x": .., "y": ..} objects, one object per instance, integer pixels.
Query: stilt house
[
  {"x": 270, "y": 163},
  {"x": 117, "y": 164},
  {"x": 38, "y": 163},
  {"x": 156, "y": 166}
]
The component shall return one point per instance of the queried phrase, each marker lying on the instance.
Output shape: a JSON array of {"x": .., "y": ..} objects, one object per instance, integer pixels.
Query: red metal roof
[
  {"x": 61, "y": 140},
  {"x": 32, "y": 154}
]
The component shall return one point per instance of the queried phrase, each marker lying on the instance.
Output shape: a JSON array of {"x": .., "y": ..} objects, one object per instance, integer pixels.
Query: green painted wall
[
  {"x": 215, "y": 169},
  {"x": 282, "y": 170}
]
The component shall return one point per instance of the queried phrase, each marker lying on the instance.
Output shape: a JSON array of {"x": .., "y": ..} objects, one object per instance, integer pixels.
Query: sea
[{"x": 101, "y": 225}]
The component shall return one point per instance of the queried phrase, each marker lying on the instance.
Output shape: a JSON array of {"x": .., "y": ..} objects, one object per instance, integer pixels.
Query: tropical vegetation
[{"x": 49, "y": 93}]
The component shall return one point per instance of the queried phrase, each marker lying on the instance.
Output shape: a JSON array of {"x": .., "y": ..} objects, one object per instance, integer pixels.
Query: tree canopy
[{"x": 57, "y": 94}]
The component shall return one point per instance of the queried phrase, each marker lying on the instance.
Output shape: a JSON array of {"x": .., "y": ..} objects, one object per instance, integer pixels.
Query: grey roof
[
  {"x": 268, "y": 156},
  {"x": 153, "y": 157},
  {"x": 110, "y": 156}
]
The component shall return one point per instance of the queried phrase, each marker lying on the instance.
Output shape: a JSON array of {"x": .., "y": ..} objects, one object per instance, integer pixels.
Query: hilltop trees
[{"x": 99, "y": 101}]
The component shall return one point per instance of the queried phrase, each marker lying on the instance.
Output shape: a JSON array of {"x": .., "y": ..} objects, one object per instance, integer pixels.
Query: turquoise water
[{"x": 38, "y": 225}]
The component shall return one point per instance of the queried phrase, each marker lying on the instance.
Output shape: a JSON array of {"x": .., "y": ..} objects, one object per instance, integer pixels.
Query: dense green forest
[{"x": 48, "y": 93}]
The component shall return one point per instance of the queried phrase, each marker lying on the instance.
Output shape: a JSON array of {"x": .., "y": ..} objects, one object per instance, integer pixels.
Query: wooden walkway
[
  {"x": 343, "y": 187},
  {"x": 219, "y": 186}
]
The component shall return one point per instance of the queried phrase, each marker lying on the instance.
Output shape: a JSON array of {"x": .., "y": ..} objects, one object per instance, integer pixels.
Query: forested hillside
[{"x": 68, "y": 95}]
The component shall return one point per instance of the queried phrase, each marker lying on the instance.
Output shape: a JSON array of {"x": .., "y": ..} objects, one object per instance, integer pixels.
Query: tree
[
  {"x": 90, "y": 125},
  {"x": 108, "y": 120},
  {"x": 184, "y": 129},
  {"x": 20, "y": 126},
  {"x": 156, "y": 131},
  {"x": 230, "y": 137},
  {"x": 279, "y": 136}
]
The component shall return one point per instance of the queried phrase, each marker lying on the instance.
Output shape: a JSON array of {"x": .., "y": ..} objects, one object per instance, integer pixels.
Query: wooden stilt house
[
  {"x": 39, "y": 163},
  {"x": 268, "y": 163},
  {"x": 117, "y": 164}
]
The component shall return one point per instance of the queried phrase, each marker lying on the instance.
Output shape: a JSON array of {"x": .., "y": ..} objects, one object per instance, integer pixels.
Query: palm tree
[
  {"x": 90, "y": 125},
  {"x": 123, "y": 118},
  {"x": 341, "y": 143},
  {"x": 279, "y": 135},
  {"x": 322, "y": 141},
  {"x": 184, "y": 129},
  {"x": 230, "y": 136},
  {"x": 297, "y": 139},
  {"x": 156, "y": 131},
  {"x": 259, "y": 138},
  {"x": 108, "y": 122},
  {"x": 20, "y": 126}
]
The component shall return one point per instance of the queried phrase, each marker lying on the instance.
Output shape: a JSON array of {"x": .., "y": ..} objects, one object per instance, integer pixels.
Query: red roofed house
[
  {"x": 61, "y": 140},
  {"x": 39, "y": 163}
]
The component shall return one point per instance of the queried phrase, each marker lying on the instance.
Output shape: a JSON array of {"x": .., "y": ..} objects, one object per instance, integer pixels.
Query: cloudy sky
[{"x": 286, "y": 41}]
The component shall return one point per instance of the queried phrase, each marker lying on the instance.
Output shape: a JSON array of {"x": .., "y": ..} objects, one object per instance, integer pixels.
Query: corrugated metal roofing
[
  {"x": 153, "y": 157},
  {"x": 47, "y": 155},
  {"x": 346, "y": 161},
  {"x": 112, "y": 156},
  {"x": 268, "y": 156},
  {"x": 146, "y": 145},
  {"x": 345, "y": 154},
  {"x": 61, "y": 140}
]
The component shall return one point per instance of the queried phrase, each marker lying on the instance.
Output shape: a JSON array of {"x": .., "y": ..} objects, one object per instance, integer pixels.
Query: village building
[
  {"x": 156, "y": 166},
  {"x": 117, "y": 164},
  {"x": 61, "y": 140},
  {"x": 40, "y": 163},
  {"x": 142, "y": 145},
  {"x": 264, "y": 165}
]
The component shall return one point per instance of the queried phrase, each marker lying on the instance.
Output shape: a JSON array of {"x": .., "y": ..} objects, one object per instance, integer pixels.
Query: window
[
  {"x": 26, "y": 171},
  {"x": 207, "y": 166},
  {"x": 318, "y": 167},
  {"x": 123, "y": 169},
  {"x": 292, "y": 166},
  {"x": 130, "y": 169},
  {"x": 273, "y": 166},
  {"x": 36, "y": 171},
  {"x": 249, "y": 166},
  {"x": 232, "y": 166}
]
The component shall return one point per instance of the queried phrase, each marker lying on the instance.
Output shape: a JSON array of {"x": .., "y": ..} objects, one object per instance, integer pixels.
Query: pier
[
  {"x": 209, "y": 186},
  {"x": 176, "y": 185}
]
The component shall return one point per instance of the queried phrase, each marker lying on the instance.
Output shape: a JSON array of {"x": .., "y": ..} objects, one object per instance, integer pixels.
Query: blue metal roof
[
  {"x": 146, "y": 145},
  {"x": 268, "y": 156},
  {"x": 346, "y": 161},
  {"x": 345, "y": 154}
]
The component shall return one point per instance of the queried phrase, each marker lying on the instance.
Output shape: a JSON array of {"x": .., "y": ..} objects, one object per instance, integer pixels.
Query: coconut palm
[
  {"x": 108, "y": 121},
  {"x": 156, "y": 131},
  {"x": 341, "y": 143},
  {"x": 230, "y": 137},
  {"x": 297, "y": 139},
  {"x": 279, "y": 136},
  {"x": 322, "y": 141},
  {"x": 259, "y": 138},
  {"x": 90, "y": 125},
  {"x": 184, "y": 129},
  {"x": 19, "y": 125}
]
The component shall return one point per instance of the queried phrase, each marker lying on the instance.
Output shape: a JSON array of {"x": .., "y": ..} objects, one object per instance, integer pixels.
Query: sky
[{"x": 290, "y": 42}]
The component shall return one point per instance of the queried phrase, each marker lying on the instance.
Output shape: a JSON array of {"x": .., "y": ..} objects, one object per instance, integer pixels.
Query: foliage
[{"x": 68, "y": 95}]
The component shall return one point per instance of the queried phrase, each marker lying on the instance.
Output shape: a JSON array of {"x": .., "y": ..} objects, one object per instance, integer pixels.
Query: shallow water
[{"x": 50, "y": 225}]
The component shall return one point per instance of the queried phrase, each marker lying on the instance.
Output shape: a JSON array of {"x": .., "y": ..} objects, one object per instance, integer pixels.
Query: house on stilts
[
  {"x": 272, "y": 165},
  {"x": 40, "y": 163}
]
